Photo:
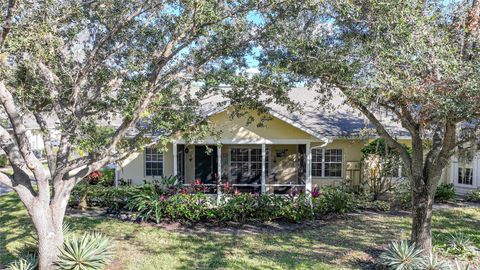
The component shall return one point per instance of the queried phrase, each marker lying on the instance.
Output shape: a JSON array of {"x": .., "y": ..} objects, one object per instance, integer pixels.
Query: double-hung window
[
  {"x": 153, "y": 162},
  {"x": 327, "y": 163}
]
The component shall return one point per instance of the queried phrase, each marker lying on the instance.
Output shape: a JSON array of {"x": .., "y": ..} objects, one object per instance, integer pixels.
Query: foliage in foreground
[
  {"x": 401, "y": 255},
  {"x": 90, "y": 251},
  {"x": 28, "y": 262}
]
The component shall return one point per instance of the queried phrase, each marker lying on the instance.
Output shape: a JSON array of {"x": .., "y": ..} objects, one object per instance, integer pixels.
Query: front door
[{"x": 205, "y": 163}]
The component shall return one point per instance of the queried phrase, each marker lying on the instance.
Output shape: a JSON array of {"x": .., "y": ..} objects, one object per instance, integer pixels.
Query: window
[
  {"x": 327, "y": 162},
  {"x": 246, "y": 165},
  {"x": 153, "y": 162},
  {"x": 465, "y": 171}
]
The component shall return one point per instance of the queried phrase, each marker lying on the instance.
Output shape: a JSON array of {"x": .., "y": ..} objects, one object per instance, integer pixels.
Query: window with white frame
[
  {"x": 465, "y": 171},
  {"x": 327, "y": 162},
  {"x": 246, "y": 165},
  {"x": 153, "y": 162}
]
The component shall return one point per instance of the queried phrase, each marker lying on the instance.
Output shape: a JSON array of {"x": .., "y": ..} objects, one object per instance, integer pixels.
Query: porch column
[
  {"x": 308, "y": 180},
  {"x": 175, "y": 163},
  {"x": 264, "y": 154},
  {"x": 219, "y": 173}
]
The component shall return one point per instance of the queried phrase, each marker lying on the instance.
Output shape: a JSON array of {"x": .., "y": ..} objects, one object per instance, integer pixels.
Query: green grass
[{"x": 347, "y": 242}]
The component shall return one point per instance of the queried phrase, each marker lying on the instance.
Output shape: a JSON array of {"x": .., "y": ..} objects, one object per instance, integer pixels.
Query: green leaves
[{"x": 90, "y": 251}]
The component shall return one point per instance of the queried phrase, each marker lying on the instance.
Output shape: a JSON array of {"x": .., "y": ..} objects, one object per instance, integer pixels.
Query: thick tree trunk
[
  {"x": 422, "y": 200},
  {"x": 48, "y": 222}
]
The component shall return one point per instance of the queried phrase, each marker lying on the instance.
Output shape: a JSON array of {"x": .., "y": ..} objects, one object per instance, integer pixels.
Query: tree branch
[
  {"x": 47, "y": 141},
  {"x": 21, "y": 138},
  {"x": 7, "y": 22}
]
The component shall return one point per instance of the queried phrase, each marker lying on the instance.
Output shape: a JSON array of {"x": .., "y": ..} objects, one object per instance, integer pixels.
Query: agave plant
[
  {"x": 27, "y": 263},
  {"x": 459, "y": 266},
  {"x": 432, "y": 262},
  {"x": 31, "y": 245},
  {"x": 460, "y": 244},
  {"x": 401, "y": 255},
  {"x": 90, "y": 251}
]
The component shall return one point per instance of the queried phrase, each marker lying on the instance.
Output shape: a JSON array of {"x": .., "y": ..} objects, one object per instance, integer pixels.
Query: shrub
[
  {"x": 445, "y": 192},
  {"x": 148, "y": 202},
  {"x": 113, "y": 198},
  {"x": 401, "y": 255},
  {"x": 241, "y": 207},
  {"x": 192, "y": 208},
  {"x": 432, "y": 262},
  {"x": 460, "y": 244},
  {"x": 29, "y": 262},
  {"x": 90, "y": 251},
  {"x": 473, "y": 196},
  {"x": 336, "y": 200},
  {"x": 381, "y": 206}
]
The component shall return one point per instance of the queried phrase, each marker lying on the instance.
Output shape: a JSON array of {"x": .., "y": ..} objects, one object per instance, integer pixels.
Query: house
[{"x": 321, "y": 146}]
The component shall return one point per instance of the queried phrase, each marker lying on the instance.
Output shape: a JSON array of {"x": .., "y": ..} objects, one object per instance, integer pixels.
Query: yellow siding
[
  {"x": 351, "y": 152},
  {"x": 133, "y": 168},
  {"x": 237, "y": 130}
]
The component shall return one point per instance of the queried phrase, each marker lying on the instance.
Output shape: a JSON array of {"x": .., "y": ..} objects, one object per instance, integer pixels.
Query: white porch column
[
  {"x": 175, "y": 163},
  {"x": 264, "y": 155},
  {"x": 219, "y": 173},
  {"x": 308, "y": 180}
]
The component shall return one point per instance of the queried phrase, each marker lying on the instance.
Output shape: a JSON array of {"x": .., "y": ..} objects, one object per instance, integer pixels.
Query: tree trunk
[
  {"x": 422, "y": 200},
  {"x": 48, "y": 222}
]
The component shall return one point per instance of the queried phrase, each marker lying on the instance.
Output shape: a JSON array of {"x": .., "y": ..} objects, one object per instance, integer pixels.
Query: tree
[
  {"x": 380, "y": 164},
  {"x": 417, "y": 62},
  {"x": 115, "y": 75}
]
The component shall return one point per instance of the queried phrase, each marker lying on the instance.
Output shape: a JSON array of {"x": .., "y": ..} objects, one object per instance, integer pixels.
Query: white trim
[
  {"x": 248, "y": 141},
  {"x": 308, "y": 181},
  {"x": 263, "y": 177},
  {"x": 475, "y": 174},
  {"x": 175, "y": 159},
  {"x": 219, "y": 173}
]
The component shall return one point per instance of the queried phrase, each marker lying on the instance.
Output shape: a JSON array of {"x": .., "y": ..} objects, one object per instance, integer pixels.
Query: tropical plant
[
  {"x": 459, "y": 244},
  {"x": 189, "y": 207},
  {"x": 445, "y": 192},
  {"x": 28, "y": 262},
  {"x": 459, "y": 266},
  {"x": 148, "y": 203},
  {"x": 90, "y": 251},
  {"x": 432, "y": 262},
  {"x": 473, "y": 196},
  {"x": 401, "y": 255}
]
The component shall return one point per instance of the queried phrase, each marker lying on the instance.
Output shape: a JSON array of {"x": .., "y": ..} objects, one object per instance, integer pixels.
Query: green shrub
[
  {"x": 28, "y": 262},
  {"x": 240, "y": 207},
  {"x": 473, "y": 196},
  {"x": 380, "y": 206},
  {"x": 298, "y": 209},
  {"x": 108, "y": 177},
  {"x": 148, "y": 202},
  {"x": 401, "y": 255},
  {"x": 113, "y": 198},
  {"x": 445, "y": 192},
  {"x": 90, "y": 251},
  {"x": 459, "y": 244},
  {"x": 189, "y": 207},
  {"x": 337, "y": 201}
]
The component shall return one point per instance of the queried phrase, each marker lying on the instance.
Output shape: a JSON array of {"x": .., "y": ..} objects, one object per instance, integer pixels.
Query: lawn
[{"x": 346, "y": 242}]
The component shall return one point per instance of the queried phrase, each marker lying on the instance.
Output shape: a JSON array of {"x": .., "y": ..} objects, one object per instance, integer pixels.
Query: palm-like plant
[
  {"x": 148, "y": 202},
  {"x": 433, "y": 263},
  {"x": 401, "y": 255},
  {"x": 90, "y": 251},
  {"x": 27, "y": 263},
  {"x": 460, "y": 244}
]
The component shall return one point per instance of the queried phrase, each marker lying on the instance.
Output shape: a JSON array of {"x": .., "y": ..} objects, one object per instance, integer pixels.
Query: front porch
[{"x": 266, "y": 167}]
